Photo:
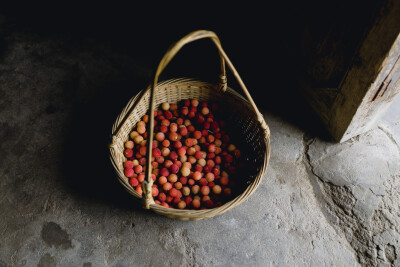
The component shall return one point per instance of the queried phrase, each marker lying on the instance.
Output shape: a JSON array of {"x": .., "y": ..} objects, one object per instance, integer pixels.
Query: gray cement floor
[{"x": 320, "y": 203}]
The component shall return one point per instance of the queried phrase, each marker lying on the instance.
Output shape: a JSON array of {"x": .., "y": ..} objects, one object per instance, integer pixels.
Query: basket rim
[{"x": 189, "y": 214}]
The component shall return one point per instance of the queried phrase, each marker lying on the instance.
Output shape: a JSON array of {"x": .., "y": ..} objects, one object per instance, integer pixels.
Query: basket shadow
[{"x": 89, "y": 172}]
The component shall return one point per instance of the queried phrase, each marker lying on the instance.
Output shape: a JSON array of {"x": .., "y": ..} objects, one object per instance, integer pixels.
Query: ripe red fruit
[
  {"x": 165, "y": 106},
  {"x": 197, "y": 175},
  {"x": 210, "y": 163},
  {"x": 165, "y": 151},
  {"x": 165, "y": 122},
  {"x": 167, "y": 186},
  {"x": 206, "y": 125},
  {"x": 168, "y": 163},
  {"x": 184, "y": 111},
  {"x": 154, "y": 144},
  {"x": 139, "y": 189},
  {"x": 129, "y": 172},
  {"x": 154, "y": 191},
  {"x": 216, "y": 189},
  {"x": 207, "y": 169},
  {"x": 128, "y": 153},
  {"x": 211, "y": 155},
  {"x": 160, "y": 160},
  {"x": 138, "y": 169},
  {"x": 191, "y": 128},
  {"x": 191, "y": 182},
  {"x": 154, "y": 165},
  {"x": 163, "y": 129},
  {"x": 174, "y": 168},
  {"x": 173, "y": 136},
  {"x": 191, "y": 151},
  {"x": 188, "y": 201},
  {"x": 178, "y": 185},
  {"x": 205, "y": 190},
  {"x": 162, "y": 180},
  {"x": 197, "y": 134},
  {"x": 140, "y": 178},
  {"x": 164, "y": 172},
  {"x": 179, "y": 121},
  {"x": 181, "y": 205},
  {"x": 205, "y": 111},
  {"x": 214, "y": 125},
  {"x": 166, "y": 143},
  {"x": 186, "y": 191},
  {"x": 164, "y": 204},
  {"x": 183, "y": 180},
  {"x": 156, "y": 152},
  {"x": 200, "y": 119},
  {"x": 179, "y": 163},
  {"x": 196, "y": 203},
  {"x": 210, "y": 177},
  {"x": 183, "y": 131},
  {"x": 173, "y": 127},
  {"x": 168, "y": 114},
  {"x": 212, "y": 148},
  {"x": 128, "y": 164},
  {"x": 191, "y": 114},
  {"x": 173, "y": 192},
  {"x": 143, "y": 150},
  {"x": 185, "y": 171},
  {"x": 195, "y": 102},
  {"x": 203, "y": 181},
  {"x": 162, "y": 197},
  {"x": 198, "y": 168},
  {"x": 195, "y": 189},
  {"x": 181, "y": 151},
  {"x": 173, "y": 155},
  {"x": 129, "y": 144},
  {"x": 177, "y": 144},
  {"x": 172, "y": 178}
]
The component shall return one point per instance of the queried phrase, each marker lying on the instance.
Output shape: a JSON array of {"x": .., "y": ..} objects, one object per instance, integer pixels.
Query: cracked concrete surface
[
  {"x": 358, "y": 184},
  {"x": 320, "y": 203}
]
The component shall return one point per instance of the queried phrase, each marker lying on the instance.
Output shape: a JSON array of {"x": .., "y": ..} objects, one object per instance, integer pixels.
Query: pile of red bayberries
[{"x": 193, "y": 157}]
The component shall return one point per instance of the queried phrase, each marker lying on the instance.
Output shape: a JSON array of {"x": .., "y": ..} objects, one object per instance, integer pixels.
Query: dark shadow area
[{"x": 86, "y": 161}]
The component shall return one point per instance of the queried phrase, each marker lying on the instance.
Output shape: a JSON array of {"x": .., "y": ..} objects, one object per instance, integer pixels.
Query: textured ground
[{"x": 320, "y": 203}]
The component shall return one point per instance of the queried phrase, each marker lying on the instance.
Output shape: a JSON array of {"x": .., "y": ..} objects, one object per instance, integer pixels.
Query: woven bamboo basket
[{"x": 243, "y": 113}]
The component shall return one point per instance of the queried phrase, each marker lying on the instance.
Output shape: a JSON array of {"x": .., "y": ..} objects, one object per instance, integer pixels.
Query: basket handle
[{"x": 172, "y": 51}]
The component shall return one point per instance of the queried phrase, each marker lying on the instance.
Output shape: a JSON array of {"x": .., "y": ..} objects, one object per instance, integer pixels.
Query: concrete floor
[{"x": 320, "y": 203}]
